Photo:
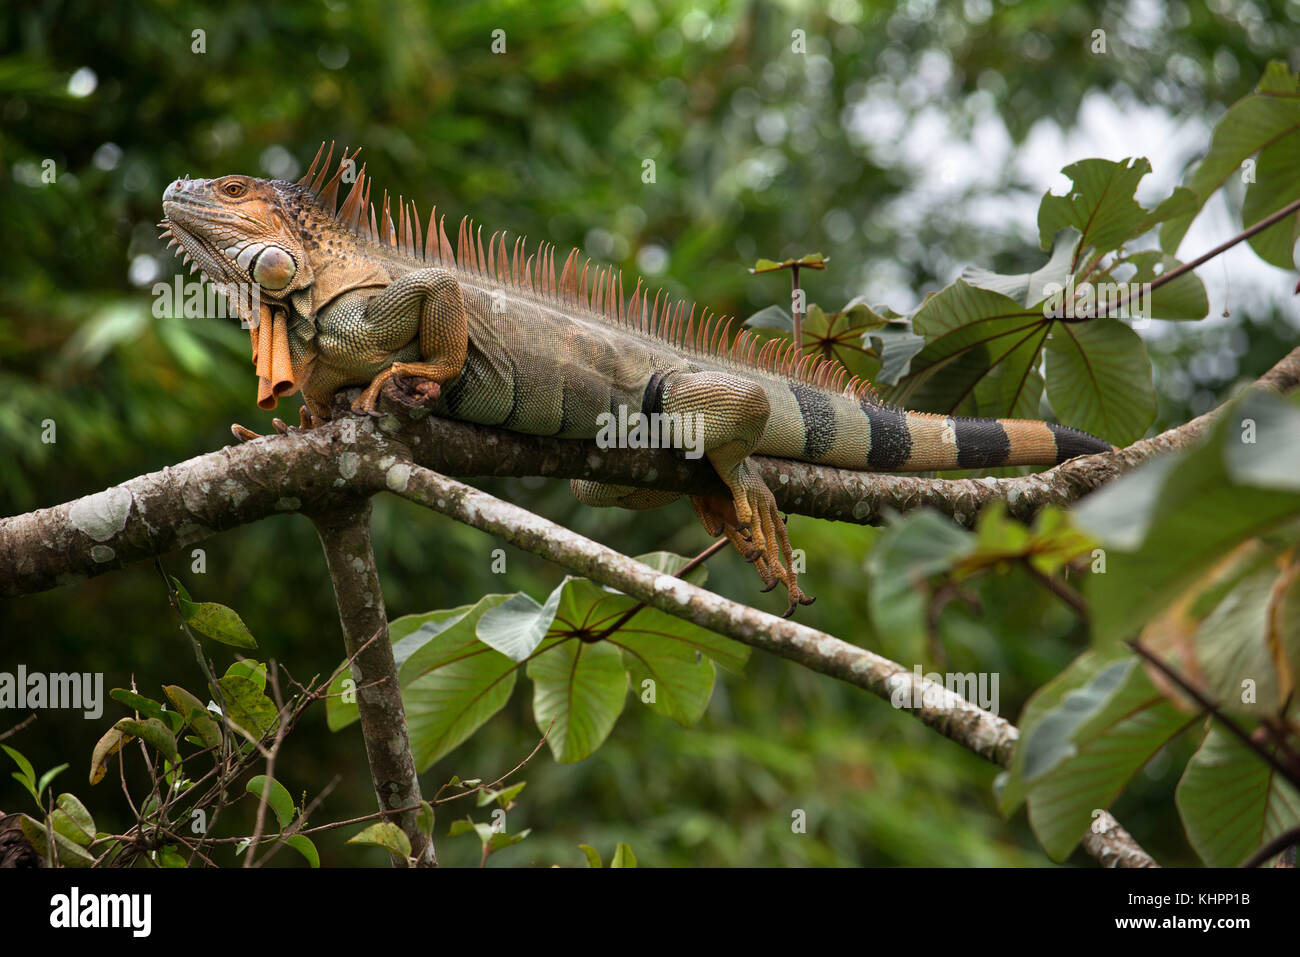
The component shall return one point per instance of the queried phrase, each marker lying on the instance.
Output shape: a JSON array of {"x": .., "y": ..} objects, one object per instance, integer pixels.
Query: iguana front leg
[
  {"x": 425, "y": 305},
  {"x": 729, "y": 414}
]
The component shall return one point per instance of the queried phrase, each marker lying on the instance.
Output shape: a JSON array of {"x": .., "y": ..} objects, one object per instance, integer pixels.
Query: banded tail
[{"x": 815, "y": 425}]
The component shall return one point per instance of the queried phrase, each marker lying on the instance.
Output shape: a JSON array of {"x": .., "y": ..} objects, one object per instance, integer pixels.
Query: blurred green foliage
[{"x": 756, "y": 153}]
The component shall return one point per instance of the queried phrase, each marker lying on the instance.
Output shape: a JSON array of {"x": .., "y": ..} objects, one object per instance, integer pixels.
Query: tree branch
[
  {"x": 345, "y": 535},
  {"x": 187, "y": 503}
]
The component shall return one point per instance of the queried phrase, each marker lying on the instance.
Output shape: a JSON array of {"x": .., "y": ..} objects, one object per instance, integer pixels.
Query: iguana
[{"x": 500, "y": 337}]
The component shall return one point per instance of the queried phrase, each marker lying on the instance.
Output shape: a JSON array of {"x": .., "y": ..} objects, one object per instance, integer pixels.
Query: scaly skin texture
[{"x": 348, "y": 299}]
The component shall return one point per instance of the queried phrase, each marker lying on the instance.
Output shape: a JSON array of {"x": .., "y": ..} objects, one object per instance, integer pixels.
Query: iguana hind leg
[
  {"x": 603, "y": 494},
  {"x": 426, "y": 305},
  {"x": 726, "y": 415}
]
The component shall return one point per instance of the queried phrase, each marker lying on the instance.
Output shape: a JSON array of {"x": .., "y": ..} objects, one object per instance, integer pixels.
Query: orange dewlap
[{"x": 275, "y": 376}]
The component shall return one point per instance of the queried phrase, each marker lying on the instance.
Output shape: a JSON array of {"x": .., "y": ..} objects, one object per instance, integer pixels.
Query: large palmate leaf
[
  {"x": 1032, "y": 287},
  {"x": 1231, "y": 801},
  {"x": 1099, "y": 379},
  {"x": 462, "y": 685},
  {"x": 1101, "y": 206},
  {"x": 1277, "y": 183},
  {"x": 844, "y": 336},
  {"x": 578, "y": 692},
  {"x": 670, "y": 660},
  {"x": 1184, "y": 298},
  {"x": 968, "y": 332},
  {"x": 1251, "y": 124},
  {"x": 1076, "y": 754},
  {"x": 1167, "y": 523}
]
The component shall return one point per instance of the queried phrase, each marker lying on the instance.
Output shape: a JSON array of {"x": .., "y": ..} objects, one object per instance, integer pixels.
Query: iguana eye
[{"x": 234, "y": 189}]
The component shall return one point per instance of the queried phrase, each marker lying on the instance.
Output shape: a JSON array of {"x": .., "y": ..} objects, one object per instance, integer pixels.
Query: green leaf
[
  {"x": 1249, "y": 125},
  {"x": 1029, "y": 289},
  {"x": 186, "y": 604},
  {"x": 303, "y": 845},
  {"x": 277, "y": 799},
  {"x": 1011, "y": 786},
  {"x": 1100, "y": 205},
  {"x": 677, "y": 656},
  {"x": 807, "y": 261},
  {"x": 1277, "y": 184},
  {"x": 623, "y": 857},
  {"x": 582, "y": 687},
  {"x": 112, "y": 741},
  {"x": 247, "y": 707},
  {"x": 500, "y": 841},
  {"x": 73, "y": 821},
  {"x": 1082, "y": 753},
  {"x": 771, "y": 317},
  {"x": 671, "y": 563},
  {"x": 155, "y": 733},
  {"x": 969, "y": 332},
  {"x": 426, "y": 818},
  {"x": 1233, "y": 648},
  {"x": 49, "y": 776},
  {"x": 1259, "y": 446},
  {"x": 222, "y": 624},
  {"x": 1165, "y": 524},
  {"x": 503, "y": 797},
  {"x": 24, "y": 765},
  {"x": 424, "y": 652},
  {"x": 69, "y": 854},
  {"x": 517, "y": 626},
  {"x": 384, "y": 834},
  {"x": 1184, "y": 298},
  {"x": 895, "y": 344},
  {"x": 844, "y": 336},
  {"x": 196, "y": 714},
  {"x": 254, "y": 671},
  {"x": 464, "y": 684},
  {"x": 1099, "y": 379},
  {"x": 593, "y": 856},
  {"x": 1231, "y": 802},
  {"x": 138, "y": 702},
  {"x": 912, "y": 550},
  {"x": 170, "y": 857}
]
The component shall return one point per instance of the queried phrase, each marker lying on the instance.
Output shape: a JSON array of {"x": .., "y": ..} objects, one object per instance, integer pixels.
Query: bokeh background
[{"x": 907, "y": 141}]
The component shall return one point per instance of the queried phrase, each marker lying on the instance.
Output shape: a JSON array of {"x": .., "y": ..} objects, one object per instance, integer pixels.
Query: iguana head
[
  {"x": 240, "y": 230},
  {"x": 291, "y": 239}
]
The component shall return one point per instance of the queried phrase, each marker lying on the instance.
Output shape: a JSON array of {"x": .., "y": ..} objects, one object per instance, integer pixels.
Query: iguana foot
[
  {"x": 411, "y": 378},
  {"x": 243, "y": 434},
  {"x": 764, "y": 544}
]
